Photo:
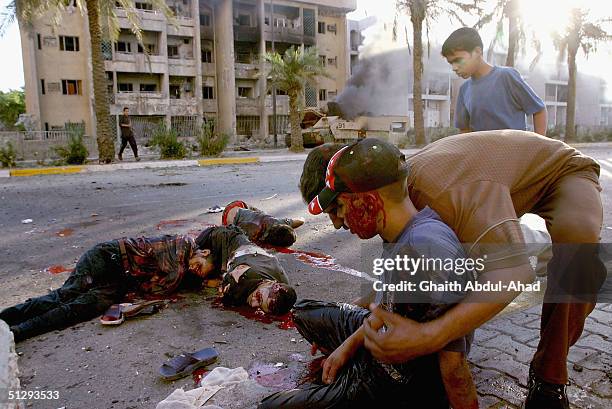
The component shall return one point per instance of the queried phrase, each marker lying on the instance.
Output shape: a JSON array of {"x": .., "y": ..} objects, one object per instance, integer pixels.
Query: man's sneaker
[
  {"x": 120, "y": 157},
  {"x": 544, "y": 395}
]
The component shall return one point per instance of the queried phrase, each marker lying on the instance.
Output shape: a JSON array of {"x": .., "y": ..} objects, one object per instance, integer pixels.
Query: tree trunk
[
  {"x": 570, "y": 115},
  {"x": 297, "y": 143},
  {"x": 106, "y": 144},
  {"x": 513, "y": 23},
  {"x": 417, "y": 15}
]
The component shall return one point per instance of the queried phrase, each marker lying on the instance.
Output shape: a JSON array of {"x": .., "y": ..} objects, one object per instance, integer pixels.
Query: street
[{"x": 98, "y": 367}]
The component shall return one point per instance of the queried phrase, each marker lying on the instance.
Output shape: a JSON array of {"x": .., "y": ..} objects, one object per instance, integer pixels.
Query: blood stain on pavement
[
  {"x": 271, "y": 376},
  {"x": 172, "y": 223},
  {"x": 318, "y": 260},
  {"x": 58, "y": 269},
  {"x": 284, "y": 321},
  {"x": 198, "y": 375},
  {"x": 65, "y": 233}
]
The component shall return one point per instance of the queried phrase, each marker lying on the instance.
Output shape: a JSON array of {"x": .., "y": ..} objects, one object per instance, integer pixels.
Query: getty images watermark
[{"x": 409, "y": 274}]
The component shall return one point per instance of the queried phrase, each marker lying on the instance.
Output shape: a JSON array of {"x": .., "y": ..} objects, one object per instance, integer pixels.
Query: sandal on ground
[
  {"x": 112, "y": 316},
  {"x": 142, "y": 308},
  {"x": 184, "y": 364}
]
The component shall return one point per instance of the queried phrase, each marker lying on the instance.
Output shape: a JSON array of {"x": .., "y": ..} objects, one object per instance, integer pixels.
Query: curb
[{"x": 64, "y": 170}]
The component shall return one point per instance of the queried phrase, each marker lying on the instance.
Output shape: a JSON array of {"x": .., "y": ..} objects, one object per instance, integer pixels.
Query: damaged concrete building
[{"x": 206, "y": 66}]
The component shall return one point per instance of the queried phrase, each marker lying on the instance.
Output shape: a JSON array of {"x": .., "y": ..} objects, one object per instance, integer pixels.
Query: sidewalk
[
  {"x": 228, "y": 158},
  {"x": 504, "y": 346}
]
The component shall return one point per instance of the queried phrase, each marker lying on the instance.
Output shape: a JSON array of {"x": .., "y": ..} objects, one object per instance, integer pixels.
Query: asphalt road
[{"x": 97, "y": 367}]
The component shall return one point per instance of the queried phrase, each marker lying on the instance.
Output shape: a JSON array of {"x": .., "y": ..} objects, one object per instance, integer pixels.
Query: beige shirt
[{"x": 481, "y": 182}]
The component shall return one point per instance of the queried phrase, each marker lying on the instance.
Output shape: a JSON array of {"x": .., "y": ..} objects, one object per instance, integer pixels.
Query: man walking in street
[{"x": 127, "y": 134}]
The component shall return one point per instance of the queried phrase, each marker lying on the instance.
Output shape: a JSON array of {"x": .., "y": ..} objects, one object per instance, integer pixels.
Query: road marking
[
  {"x": 227, "y": 161},
  {"x": 47, "y": 171}
]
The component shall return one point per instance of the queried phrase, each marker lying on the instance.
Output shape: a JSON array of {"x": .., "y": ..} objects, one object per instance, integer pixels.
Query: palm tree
[
  {"x": 290, "y": 73},
  {"x": 580, "y": 33},
  {"x": 103, "y": 23},
  {"x": 424, "y": 12}
]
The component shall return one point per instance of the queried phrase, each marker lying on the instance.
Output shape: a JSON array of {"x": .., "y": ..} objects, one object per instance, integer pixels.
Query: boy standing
[{"x": 493, "y": 97}]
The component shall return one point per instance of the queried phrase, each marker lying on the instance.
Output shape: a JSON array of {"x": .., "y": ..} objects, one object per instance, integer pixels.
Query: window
[
  {"x": 173, "y": 51},
  {"x": 321, "y": 26},
  {"x": 144, "y": 6},
  {"x": 244, "y": 20},
  {"x": 332, "y": 61},
  {"x": 281, "y": 92},
  {"x": 207, "y": 56},
  {"x": 42, "y": 86},
  {"x": 39, "y": 41},
  {"x": 556, "y": 92},
  {"x": 331, "y": 28},
  {"x": 245, "y": 92},
  {"x": 186, "y": 41},
  {"x": 243, "y": 57},
  {"x": 175, "y": 91},
  {"x": 149, "y": 47},
  {"x": 68, "y": 43},
  {"x": 331, "y": 95},
  {"x": 125, "y": 87},
  {"x": 322, "y": 95},
  {"x": 205, "y": 20},
  {"x": 123, "y": 47},
  {"x": 71, "y": 87},
  {"x": 322, "y": 60},
  {"x": 207, "y": 92},
  {"x": 148, "y": 87}
]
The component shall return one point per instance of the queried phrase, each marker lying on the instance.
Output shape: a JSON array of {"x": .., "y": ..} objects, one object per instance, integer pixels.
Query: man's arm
[
  {"x": 540, "y": 122},
  {"x": 457, "y": 380},
  {"x": 406, "y": 339}
]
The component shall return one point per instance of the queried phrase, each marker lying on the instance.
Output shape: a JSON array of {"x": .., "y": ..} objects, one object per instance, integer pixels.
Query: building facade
[{"x": 205, "y": 65}]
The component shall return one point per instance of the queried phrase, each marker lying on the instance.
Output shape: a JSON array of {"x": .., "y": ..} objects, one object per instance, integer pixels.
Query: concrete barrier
[{"x": 8, "y": 368}]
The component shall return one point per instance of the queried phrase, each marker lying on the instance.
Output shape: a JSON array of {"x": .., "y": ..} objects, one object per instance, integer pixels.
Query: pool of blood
[{"x": 284, "y": 321}]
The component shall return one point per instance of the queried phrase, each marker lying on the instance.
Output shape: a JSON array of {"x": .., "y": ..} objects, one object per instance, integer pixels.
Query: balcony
[
  {"x": 207, "y": 33},
  {"x": 247, "y": 71},
  {"x": 150, "y": 20},
  {"x": 182, "y": 66},
  {"x": 247, "y": 34},
  {"x": 209, "y": 105},
  {"x": 140, "y": 103},
  {"x": 183, "y": 106},
  {"x": 288, "y": 35},
  {"x": 130, "y": 62},
  {"x": 208, "y": 69},
  {"x": 247, "y": 106}
]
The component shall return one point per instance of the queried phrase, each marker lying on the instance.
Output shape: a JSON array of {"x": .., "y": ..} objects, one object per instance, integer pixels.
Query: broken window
[
  {"x": 205, "y": 20},
  {"x": 175, "y": 92},
  {"x": 321, "y": 27},
  {"x": 173, "y": 51},
  {"x": 207, "y": 56},
  {"x": 125, "y": 87},
  {"x": 71, "y": 87},
  {"x": 322, "y": 95},
  {"x": 149, "y": 47},
  {"x": 123, "y": 47},
  {"x": 322, "y": 60},
  {"x": 245, "y": 92},
  {"x": 333, "y": 61},
  {"x": 143, "y": 6},
  {"x": 244, "y": 20},
  {"x": 331, "y": 28},
  {"x": 207, "y": 92},
  {"x": 148, "y": 87}
]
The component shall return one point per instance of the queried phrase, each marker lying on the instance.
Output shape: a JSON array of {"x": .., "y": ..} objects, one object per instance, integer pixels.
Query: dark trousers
[
  {"x": 96, "y": 283},
  {"x": 132, "y": 141},
  {"x": 362, "y": 383},
  {"x": 573, "y": 213}
]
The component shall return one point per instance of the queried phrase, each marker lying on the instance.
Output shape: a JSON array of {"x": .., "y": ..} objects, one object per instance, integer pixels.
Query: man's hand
[
  {"x": 403, "y": 340},
  {"x": 335, "y": 362}
]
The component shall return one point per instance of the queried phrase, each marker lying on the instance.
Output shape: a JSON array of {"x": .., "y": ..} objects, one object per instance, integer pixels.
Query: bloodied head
[
  {"x": 273, "y": 297},
  {"x": 362, "y": 213},
  {"x": 201, "y": 263}
]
